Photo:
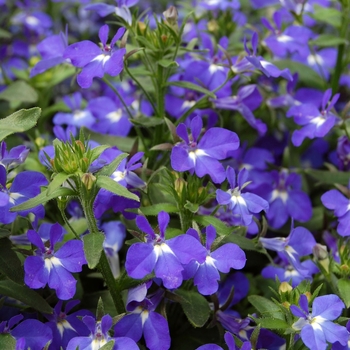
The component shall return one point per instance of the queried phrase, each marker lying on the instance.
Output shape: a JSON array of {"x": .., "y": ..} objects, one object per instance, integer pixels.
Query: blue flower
[{"x": 317, "y": 327}]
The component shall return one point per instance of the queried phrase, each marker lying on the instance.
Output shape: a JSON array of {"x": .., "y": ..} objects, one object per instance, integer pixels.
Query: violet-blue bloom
[
  {"x": 165, "y": 257},
  {"x": 317, "y": 327},
  {"x": 142, "y": 319},
  {"x": 206, "y": 274},
  {"x": 229, "y": 342},
  {"x": 110, "y": 118},
  {"x": 65, "y": 327},
  {"x": 54, "y": 267},
  {"x": 248, "y": 98},
  {"x": 26, "y": 185},
  {"x": 292, "y": 39},
  {"x": 334, "y": 200},
  {"x": 51, "y": 50},
  {"x": 99, "y": 336},
  {"x": 252, "y": 61},
  {"x": 287, "y": 272},
  {"x": 96, "y": 61},
  {"x": 77, "y": 116},
  {"x": 242, "y": 204},
  {"x": 115, "y": 233},
  {"x": 300, "y": 242},
  {"x": 121, "y": 9},
  {"x": 10, "y": 159},
  {"x": 286, "y": 198},
  {"x": 203, "y": 157},
  {"x": 315, "y": 122}
]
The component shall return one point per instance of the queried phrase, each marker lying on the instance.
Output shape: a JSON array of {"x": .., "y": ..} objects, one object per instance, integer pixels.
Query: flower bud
[
  {"x": 179, "y": 185},
  {"x": 80, "y": 145},
  {"x": 171, "y": 16},
  {"x": 321, "y": 255},
  {"x": 285, "y": 287},
  {"x": 88, "y": 180}
]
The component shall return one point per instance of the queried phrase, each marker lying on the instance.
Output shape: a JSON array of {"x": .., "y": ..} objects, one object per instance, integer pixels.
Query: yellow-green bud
[
  {"x": 285, "y": 287},
  {"x": 88, "y": 180}
]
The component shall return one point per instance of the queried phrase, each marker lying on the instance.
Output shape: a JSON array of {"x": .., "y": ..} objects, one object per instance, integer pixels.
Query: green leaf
[
  {"x": 57, "y": 182},
  {"x": 95, "y": 152},
  {"x": 221, "y": 228},
  {"x": 272, "y": 323},
  {"x": 327, "y": 15},
  {"x": 93, "y": 245},
  {"x": 7, "y": 342},
  {"x": 5, "y": 34},
  {"x": 19, "y": 121},
  {"x": 329, "y": 177},
  {"x": 344, "y": 290},
  {"x": 154, "y": 209},
  {"x": 191, "y": 86},
  {"x": 25, "y": 295},
  {"x": 192, "y": 207},
  {"x": 108, "y": 346},
  {"x": 328, "y": 40},
  {"x": 167, "y": 63},
  {"x": 266, "y": 307},
  {"x": 4, "y": 233},
  {"x": 123, "y": 143},
  {"x": 243, "y": 242},
  {"x": 112, "y": 186},
  {"x": 19, "y": 92},
  {"x": 195, "y": 307},
  {"x": 306, "y": 74},
  {"x": 110, "y": 168},
  {"x": 43, "y": 198},
  {"x": 147, "y": 121},
  {"x": 10, "y": 265}
]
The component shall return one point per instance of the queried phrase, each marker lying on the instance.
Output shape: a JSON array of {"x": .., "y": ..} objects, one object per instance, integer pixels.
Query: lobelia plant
[{"x": 147, "y": 153}]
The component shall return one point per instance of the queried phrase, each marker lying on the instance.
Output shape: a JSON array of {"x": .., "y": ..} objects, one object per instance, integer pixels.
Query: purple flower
[
  {"x": 316, "y": 123},
  {"x": 10, "y": 159},
  {"x": 115, "y": 233},
  {"x": 336, "y": 201},
  {"x": 165, "y": 257},
  {"x": 229, "y": 342},
  {"x": 29, "y": 334},
  {"x": 206, "y": 274},
  {"x": 317, "y": 327},
  {"x": 26, "y": 185},
  {"x": 65, "y": 327},
  {"x": 77, "y": 116},
  {"x": 143, "y": 319},
  {"x": 51, "y": 50},
  {"x": 243, "y": 205},
  {"x": 203, "y": 157},
  {"x": 247, "y": 99},
  {"x": 121, "y": 10},
  {"x": 299, "y": 243},
  {"x": 110, "y": 118},
  {"x": 54, "y": 267},
  {"x": 292, "y": 39},
  {"x": 99, "y": 336},
  {"x": 258, "y": 62},
  {"x": 96, "y": 61},
  {"x": 286, "y": 198}
]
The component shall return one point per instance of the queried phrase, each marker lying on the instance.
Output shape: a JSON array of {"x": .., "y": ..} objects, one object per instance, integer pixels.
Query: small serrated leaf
[
  {"x": 112, "y": 186},
  {"x": 25, "y": 295},
  {"x": 272, "y": 323},
  {"x": 154, "y": 209},
  {"x": 10, "y": 265},
  {"x": 266, "y": 307},
  {"x": 57, "y": 182},
  {"x": 93, "y": 245},
  {"x": 195, "y": 307},
  {"x": 19, "y": 121},
  {"x": 110, "y": 168},
  {"x": 43, "y": 198},
  {"x": 7, "y": 341},
  {"x": 344, "y": 290}
]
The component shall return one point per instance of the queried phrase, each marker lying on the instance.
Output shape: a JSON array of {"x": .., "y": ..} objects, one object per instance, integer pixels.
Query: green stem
[
  {"x": 341, "y": 48},
  {"x": 142, "y": 88},
  {"x": 103, "y": 265},
  {"x": 65, "y": 219}
]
